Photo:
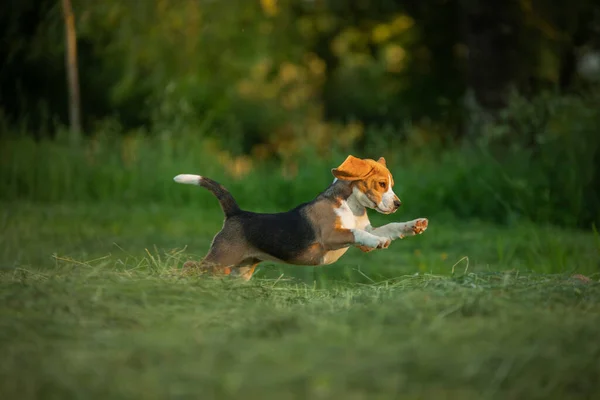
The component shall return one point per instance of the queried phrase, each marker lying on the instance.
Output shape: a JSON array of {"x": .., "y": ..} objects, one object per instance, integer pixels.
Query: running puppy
[{"x": 314, "y": 233}]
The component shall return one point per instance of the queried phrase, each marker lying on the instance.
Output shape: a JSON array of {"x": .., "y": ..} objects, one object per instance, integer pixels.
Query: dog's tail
[{"x": 228, "y": 203}]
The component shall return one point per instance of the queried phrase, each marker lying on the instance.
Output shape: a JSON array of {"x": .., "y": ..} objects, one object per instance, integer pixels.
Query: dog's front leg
[
  {"x": 340, "y": 238},
  {"x": 399, "y": 230}
]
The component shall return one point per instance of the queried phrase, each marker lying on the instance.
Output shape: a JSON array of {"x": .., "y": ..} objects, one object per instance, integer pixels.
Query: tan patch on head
[
  {"x": 353, "y": 169},
  {"x": 371, "y": 177}
]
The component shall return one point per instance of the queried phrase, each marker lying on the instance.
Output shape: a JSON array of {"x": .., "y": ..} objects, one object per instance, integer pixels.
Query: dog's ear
[
  {"x": 382, "y": 161},
  {"x": 352, "y": 169}
]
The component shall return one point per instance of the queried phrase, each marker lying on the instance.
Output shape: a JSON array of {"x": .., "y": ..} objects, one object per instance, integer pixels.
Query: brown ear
[
  {"x": 382, "y": 161},
  {"x": 352, "y": 169}
]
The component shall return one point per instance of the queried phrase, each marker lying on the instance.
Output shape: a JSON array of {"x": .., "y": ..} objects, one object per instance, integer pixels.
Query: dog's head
[{"x": 371, "y": 182}]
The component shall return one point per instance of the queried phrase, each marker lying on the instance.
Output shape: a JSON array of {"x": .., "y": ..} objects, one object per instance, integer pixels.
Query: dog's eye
[{"x": 382, "y": 184}]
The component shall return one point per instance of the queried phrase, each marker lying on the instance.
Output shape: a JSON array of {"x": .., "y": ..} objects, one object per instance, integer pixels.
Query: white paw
[
  {"x": 414, "y": 227},
  {"x": 375, "y": 242},
  {"x": 420, "y": 225},
  {"x": 384, "y": 243}
]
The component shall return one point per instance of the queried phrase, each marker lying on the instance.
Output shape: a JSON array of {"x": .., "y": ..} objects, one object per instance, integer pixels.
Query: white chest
[{"x": 349, "y": 219}]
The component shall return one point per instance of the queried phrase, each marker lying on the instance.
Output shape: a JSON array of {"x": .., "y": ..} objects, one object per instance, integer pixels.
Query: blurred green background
[
  {"x": 487, "y": 112},
  {"x": 484, "y": 110}
]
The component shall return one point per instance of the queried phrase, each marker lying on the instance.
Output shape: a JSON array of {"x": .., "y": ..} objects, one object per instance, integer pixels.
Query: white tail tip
[{"x": 188, "y": 179}]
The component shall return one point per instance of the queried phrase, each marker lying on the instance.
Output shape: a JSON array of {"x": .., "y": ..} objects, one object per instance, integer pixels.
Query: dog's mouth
[
  {"x": 373, "y": 205},
  {"x": 382, "y": 211}
]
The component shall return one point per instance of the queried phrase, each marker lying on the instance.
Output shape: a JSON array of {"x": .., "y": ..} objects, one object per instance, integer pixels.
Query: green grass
[
  {"x": 119, "y": 234},
  {"x": 92, "y": 231},
  {"x": 88, "y": 333},
  {"x": 92, "y": 308}
]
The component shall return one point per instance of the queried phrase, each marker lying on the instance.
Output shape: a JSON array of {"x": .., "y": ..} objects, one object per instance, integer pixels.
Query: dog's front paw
[
  {"x": 384, "y": 243},
  {"x": 369, "y": 240},
  {"x": 420, "y": 225},
  {"x": 380, "y": 242}
]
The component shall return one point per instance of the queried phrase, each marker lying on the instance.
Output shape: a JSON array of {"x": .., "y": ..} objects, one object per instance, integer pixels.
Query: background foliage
[{"x": 443, "y": 88}]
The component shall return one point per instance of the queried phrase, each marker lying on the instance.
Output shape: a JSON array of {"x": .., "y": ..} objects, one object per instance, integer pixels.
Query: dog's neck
[
  {"x": 355, "y": 206},
  {"x": 342, "y": 191}
]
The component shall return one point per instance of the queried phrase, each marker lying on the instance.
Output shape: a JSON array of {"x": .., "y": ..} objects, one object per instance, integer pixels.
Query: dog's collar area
[
  {"x": 356, "y": 205},
  {"x": 353, "y": 197}
]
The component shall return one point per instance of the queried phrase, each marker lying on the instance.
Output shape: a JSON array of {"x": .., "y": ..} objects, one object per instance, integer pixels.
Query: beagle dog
[{"x": 315, "y": 233}]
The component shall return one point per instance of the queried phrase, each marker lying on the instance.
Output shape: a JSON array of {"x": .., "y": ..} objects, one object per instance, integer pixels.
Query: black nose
[{"x": 397, "y": 203}]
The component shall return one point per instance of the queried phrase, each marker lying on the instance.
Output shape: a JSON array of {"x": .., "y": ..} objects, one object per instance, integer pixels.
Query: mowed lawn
[{"x": 92, "y": 306}]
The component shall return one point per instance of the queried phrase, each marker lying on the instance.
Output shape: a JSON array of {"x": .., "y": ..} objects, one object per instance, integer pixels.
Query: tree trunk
[{"x": 71, "y": 66}]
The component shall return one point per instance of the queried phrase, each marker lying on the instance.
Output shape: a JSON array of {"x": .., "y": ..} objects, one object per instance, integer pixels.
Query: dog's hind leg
[
  {"x": 225, "y": 255},
  {"x": 245, "y": 272},
  {"x": 204, "y": 267},
  {"x": 218, "y": 262}
]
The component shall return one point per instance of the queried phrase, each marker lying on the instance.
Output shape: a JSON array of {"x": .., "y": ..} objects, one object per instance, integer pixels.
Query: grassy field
[{"x": 92, "y": 307}]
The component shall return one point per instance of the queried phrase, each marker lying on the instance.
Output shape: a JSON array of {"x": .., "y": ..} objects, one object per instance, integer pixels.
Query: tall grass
[
  {"x": 136, "y": 168},
  {"x": 518, "y": 169}
]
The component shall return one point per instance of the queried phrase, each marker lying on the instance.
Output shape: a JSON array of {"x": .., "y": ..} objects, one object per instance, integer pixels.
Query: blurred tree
[
  {"x": 71, "y": 67},
  {"x": 263, "y": 73},
  {"x": 32, "y": 92}
]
